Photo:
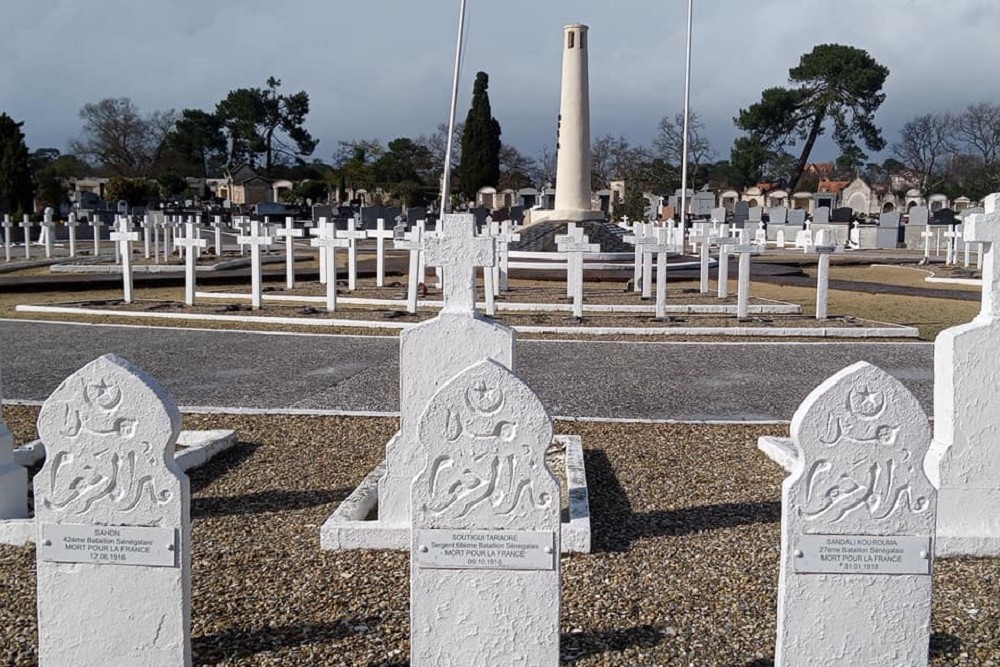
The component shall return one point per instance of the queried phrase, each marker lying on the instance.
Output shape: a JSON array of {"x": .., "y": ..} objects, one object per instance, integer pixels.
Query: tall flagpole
[
  {"x": 687, "y": 117},
  {"x": 446, "y": 181}
]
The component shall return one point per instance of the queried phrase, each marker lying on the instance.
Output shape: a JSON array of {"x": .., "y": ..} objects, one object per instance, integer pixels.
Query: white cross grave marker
[
  {"x": 412, "y": 241},
  {"x": 289, "y": 233},
  {"x": 352, "y": 235},
  {"x": 745, "y": 251},
  {"x": 927, "y": 234},
  {"x": 701, "y": 234},
  {"x": 96, "y": 224},
  {"x": 319, "y": 231},
  {"x": 325, "y": 238},
  {"x": 505, "y": 238},
  {"x": 256, "y": 241},
  {"x": 575, "y": 246},
  {"x": 823, "y": 278},
  {"x": 725, "y": 242},
  {"x": 124, "y": 237},
  {"x": 951, "y": 252},
  {"x": 459, "y": 252},
  {"x": 380, "y": 234},
  {"x": 635, "y": 239},
  {"x": 147, "y": 224},
  {"x": 217, "y": 225},
  {"x": 188, "y": 241},
  {"x": 7, "y": 224},
  {"x": 26, "y": 225},
  {"x": 48, "y": 232},
  {"x": 662, "y": 245}
]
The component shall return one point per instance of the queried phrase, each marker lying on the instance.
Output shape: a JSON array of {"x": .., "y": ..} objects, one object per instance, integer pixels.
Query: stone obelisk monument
[{"x": 573, "y": 196}]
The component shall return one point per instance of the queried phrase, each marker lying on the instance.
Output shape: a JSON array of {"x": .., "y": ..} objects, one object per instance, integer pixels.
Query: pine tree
[
  {"x": 480, "y": 164},
  {"x": 17, "y": 188}
]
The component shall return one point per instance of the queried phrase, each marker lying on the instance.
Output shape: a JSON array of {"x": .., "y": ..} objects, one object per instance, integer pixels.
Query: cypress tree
[
  {"x": 17, "y": 188},
  {"x": 480, "y": 164}
]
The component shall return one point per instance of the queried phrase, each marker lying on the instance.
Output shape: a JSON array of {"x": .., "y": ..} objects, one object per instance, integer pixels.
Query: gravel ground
[{"x": 684, "y": 570}]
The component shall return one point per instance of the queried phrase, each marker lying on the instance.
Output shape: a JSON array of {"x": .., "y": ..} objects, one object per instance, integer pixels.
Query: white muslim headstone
[
  {"x": 964, "y": 462},
  {"x": 112, "y": 515},
  {"x": 485, "y": 543},
  {"x": 857, "y": 527},
  {"x": 471, "y": 339}
]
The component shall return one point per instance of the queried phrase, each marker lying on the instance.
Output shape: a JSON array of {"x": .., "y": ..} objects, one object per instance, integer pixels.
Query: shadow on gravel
[
  {"x": 616, "y": 526},
  {"x": 760, "y": 662},
  {"x": 237, "y": 643},
  {"x": 575, "y": 646},
  {"x": 222, "y": 464},
  {"x": 264, "y": 501},
  {"x": 945, "y": 646}
]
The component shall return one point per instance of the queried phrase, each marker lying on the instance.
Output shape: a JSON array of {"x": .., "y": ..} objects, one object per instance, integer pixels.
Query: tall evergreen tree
[
  {"x": 17, "y": 188},
  {"x": 480, "y": 165}
]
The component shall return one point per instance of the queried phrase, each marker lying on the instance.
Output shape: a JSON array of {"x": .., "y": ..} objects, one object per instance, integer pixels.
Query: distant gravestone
[
  {"x": 964, "y": 462},
  {"x": 842, "y": 215},
  {"x": 944, "y": 216},
  {"x": 480, "y": 213},
  {"x": 797, "y": 217},
  {"x": 857, "y": 525},
  {"x": 484, "y": 566},
  {"x": 517, "y": 215},
  {"x": 112, "y": 517},
  {"x": 719, "y": 214},
  {"x": 918, "y": 216},
  {"x": 741, "y": 214},
  {"x": 821, "y": 216},
  {"x": 777, "y": 215},
  {"x": 756, "y": 214},
  {"x": 889, "y": 220}
]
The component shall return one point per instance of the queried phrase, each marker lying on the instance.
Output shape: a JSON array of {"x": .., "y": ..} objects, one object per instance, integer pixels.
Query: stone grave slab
[
  {"x": 112, "y": 511},
  {"x": 964, "y": 462},
  {"x": 858, "y": 521},
  {"x": 484, "y": 556}
]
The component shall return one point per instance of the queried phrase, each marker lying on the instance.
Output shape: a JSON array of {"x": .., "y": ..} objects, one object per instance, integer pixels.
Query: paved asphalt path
[{"x": 683, "y": 381}]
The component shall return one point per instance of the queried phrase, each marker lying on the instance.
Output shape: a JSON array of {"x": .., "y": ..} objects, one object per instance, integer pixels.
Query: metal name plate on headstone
[
  {"x": 114, "y": 545},
  {"x": 485, "y": 550},
  {"x": 862, "y": 554}
]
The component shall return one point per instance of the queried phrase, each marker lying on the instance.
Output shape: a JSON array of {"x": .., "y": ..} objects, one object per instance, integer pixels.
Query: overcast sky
[{"x": 382, "y": 68}]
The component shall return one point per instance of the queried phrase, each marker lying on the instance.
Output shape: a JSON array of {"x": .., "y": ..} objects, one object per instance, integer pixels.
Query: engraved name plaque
[
  {"x": 485, "y": 550},
  {"x": 109, "y": 545},
  {"x": 862, "y": 554}
]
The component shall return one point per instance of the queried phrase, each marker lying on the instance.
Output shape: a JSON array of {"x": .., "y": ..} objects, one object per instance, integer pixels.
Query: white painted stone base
[
  {"x": 962, "y": 532},
  {"x": 198, "y": 448},
  {"x": 350, "y": 528}
]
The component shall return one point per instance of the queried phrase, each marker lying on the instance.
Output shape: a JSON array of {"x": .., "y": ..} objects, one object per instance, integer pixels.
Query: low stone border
[
  {"x": 349, "y": 528},
  {"x": 63, "y": 267},
  {"x": 198, "y": 448},
  {"x": 883, "y": 331},
  {"x": 774, "y": 308}
]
